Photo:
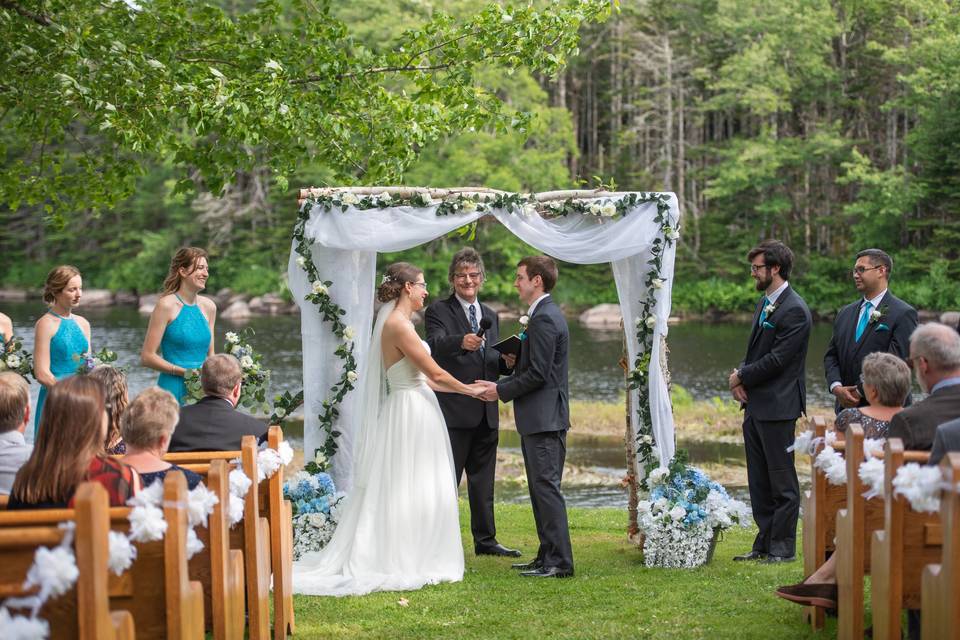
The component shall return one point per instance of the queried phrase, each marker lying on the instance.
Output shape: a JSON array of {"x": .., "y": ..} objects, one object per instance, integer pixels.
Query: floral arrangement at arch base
[
  {"x": 13, "y": 357},
  {"x": 316, "y": 506},
  {"x": 685, "y": 515}
]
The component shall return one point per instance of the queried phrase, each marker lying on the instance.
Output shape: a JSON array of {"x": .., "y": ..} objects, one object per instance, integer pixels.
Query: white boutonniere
[
  {"x": 524, "y": 321},
  {"x": 876, "y": 314},
  {"x": 770, "y": 308}
]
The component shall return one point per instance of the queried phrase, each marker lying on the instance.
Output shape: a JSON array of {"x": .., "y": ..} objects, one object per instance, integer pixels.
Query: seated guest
[
  {"x": 213, "y": 423},
  {"x": 886, "y": 384},
  {"x": 935, "y": 358},
  {"x": 148, "y": 424},
  {"x": 115, "y": 383},
  {"x": 947, "y": 439},
  {"x": 14, "y": 417},
  {"x": 69, "y": 450}
]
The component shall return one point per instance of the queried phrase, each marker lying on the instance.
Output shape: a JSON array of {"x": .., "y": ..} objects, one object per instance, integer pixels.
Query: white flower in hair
[
  {"x": 350, "y": 198},
  {"x": 319, "y": 288},
  {"x": 54, "y": 570},
  {"x": 122, "y": 553}
]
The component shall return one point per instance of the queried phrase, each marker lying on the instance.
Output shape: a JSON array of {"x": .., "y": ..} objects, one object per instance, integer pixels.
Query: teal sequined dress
[
  {"x": 185, "y": 343},
  {"x": 67, "y": 345}
]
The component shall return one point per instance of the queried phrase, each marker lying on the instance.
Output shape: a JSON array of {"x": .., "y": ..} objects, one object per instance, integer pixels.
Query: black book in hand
[{"x": 509, "y": 345}]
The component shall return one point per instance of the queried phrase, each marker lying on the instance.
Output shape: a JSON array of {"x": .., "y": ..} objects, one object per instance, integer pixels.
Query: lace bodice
[{"x": 403, "y": 374}]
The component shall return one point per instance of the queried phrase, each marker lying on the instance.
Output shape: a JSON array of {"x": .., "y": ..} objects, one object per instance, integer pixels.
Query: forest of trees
[{"x": 833, "y": 125}]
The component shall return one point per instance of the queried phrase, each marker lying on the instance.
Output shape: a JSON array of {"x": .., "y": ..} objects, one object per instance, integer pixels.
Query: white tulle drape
[{"x": 345, "y": 246}]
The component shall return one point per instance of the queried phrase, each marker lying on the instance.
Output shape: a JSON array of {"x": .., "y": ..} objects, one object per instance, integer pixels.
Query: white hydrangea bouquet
[
  {"x": 684, "y": 516},
  {"x": 256, "y": 378},
  {"x": 13, "y": 357},
  {"x": 316, "y": 506}
]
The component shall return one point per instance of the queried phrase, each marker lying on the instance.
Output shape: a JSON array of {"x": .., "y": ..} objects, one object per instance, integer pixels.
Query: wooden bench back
[
  {"x": 84, "y": 611},
  {"x": 941, "y": 582}
]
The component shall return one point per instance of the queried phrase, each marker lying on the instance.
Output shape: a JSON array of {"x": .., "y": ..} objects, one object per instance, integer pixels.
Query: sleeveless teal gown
[
  {"x": 185, "y": 343},
  {"x": 66, "y": 346}
]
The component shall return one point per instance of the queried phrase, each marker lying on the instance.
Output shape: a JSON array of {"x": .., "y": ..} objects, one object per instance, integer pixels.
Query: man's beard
[{"x": 763, "y": 283}]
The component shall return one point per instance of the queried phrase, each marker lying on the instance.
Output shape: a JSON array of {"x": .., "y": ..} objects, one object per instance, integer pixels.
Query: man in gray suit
[
  {"x": 538, "y": 387},
  {"x": 946, "y": 440}
]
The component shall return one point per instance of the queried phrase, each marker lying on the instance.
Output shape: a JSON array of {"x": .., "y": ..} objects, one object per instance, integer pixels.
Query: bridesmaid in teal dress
[
  {"x": 180, "y": 333},
  {"x": 61, "y": 336}
]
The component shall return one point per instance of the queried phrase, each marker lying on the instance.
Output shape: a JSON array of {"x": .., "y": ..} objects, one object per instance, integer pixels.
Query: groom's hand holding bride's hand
[{"x": 489, "y": 390}]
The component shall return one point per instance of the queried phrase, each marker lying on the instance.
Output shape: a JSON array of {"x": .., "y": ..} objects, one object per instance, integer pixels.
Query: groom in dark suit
[
  {"x": 451, "y": 326},
  {"x": 771, "y": 388},
  {"x": 541, "y": 407},
  {"x": 878, "y": 321}
]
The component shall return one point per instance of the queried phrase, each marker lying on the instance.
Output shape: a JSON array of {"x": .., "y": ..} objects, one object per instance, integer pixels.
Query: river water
[{"x": 701, "y": 356}]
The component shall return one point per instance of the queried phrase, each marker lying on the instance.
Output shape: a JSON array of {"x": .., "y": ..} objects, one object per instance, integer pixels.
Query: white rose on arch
[
  {"x": 651, "y": 321},
  {"x": 301, "y": 262},
  {"x": 352, "y": 376},
  {"x": 595, "y": 209},
  {"x": 350, "y": 198},
  {"x": 658, "y": 283},
  {"x": 529, "y": 209},
  {"x": 319, "y": 288},
  {"x": 348, "y": 333},
  {"x": 608, "y": 210},
  {"x": 469, "y": 206}
]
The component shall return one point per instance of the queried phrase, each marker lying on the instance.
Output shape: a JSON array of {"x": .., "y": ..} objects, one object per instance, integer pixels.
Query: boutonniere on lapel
[
  {"x": 876, "y": 316},
  {"x": 524, "y": 321},
  {"x": 767, "y": 312}
]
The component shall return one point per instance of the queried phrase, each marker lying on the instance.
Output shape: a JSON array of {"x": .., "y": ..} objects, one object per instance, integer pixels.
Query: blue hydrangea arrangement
[{"x": 315, "y": 503}]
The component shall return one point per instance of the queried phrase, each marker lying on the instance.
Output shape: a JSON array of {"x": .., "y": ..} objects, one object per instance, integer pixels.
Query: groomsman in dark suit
[
  {"x": 451, "y": 326},
  {"x": 879, "y": 321},
  {"x": 541, "y": 404},
  {"x": 770, "y": 386}
]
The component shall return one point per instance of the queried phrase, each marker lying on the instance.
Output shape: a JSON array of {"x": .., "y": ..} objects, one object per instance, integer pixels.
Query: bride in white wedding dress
[{"x": 399, "y": 527}]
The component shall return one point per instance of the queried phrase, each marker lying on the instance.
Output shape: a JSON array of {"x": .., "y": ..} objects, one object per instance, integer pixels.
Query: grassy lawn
[{"x": 612, "y": 596}]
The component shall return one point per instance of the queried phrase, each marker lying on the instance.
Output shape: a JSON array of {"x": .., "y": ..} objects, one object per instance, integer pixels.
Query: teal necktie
[
  {"x": 763, "y": 312},
  {"x": 864, "y": 320}
]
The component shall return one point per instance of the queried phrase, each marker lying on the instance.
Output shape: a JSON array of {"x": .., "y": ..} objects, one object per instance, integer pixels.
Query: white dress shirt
[{"x": 534, "y": 304}]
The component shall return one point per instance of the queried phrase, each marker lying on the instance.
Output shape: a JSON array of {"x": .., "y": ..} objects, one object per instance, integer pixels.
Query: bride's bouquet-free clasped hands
[{"x": 684, "y": 516}]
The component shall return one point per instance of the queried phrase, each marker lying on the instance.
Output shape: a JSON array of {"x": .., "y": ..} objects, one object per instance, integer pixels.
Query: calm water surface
[{"x": 701, "y": 356}]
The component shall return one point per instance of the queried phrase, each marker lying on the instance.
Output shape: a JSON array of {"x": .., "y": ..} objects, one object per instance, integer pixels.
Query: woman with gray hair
[
  {"x": 886, "y": 384},
  {"x": 147, "y": 427}
]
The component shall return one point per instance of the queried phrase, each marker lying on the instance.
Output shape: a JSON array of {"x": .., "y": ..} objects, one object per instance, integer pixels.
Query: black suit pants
[
  {"x": 774, "y": 488},
  {"x": 475, "y": 451},
  {"x": 543, "y": 456}
]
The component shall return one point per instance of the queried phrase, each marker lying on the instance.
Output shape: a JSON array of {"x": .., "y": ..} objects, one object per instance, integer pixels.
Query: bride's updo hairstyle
[{"x": 397, "y": 275}]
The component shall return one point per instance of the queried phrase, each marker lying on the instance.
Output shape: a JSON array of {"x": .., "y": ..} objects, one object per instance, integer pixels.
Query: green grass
[{"x": 612, "y": 596}]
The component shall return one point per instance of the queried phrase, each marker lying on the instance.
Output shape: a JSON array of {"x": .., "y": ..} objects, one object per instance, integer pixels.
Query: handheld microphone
[{"x": 485, "y": 323}]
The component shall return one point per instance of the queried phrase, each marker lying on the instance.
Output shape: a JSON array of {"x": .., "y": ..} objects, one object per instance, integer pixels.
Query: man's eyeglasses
[
  {"x": 862, "y": 270},
  {"x": 755, "y": 268},
  {"x": 462, "y": 277}
]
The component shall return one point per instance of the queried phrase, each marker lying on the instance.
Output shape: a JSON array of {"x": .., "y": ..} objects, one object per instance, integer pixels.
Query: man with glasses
[
  {"x": 878, "y": 321},
  {"x": 770, "y": 386},
  {"x": 451, "y": 327}
]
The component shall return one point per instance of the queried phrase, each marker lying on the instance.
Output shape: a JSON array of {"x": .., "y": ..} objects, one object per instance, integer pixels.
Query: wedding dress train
[{"x": 399, "y": 529}]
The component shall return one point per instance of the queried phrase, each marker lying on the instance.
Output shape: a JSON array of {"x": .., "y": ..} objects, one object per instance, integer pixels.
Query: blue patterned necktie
[
  {"x": 763, "y": 311},
  {"x": 473, "y": 323},
  {"x": 864, "y": 320}
]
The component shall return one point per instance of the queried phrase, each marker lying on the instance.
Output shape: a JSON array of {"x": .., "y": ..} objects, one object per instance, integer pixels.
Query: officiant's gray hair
[{"x": 467, "y": 255}]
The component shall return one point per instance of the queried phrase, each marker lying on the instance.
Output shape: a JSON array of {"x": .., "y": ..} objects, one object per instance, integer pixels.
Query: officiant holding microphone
[{"x": 460, "y": 331}]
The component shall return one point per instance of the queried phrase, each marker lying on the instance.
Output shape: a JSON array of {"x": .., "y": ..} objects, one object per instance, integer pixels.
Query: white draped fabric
[{"x": 344, "y": 251}]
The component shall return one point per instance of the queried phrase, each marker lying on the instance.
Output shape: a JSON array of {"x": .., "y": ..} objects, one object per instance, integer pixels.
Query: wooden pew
[
  {"x": 167, "y": 608},
  {"x": 908, "y": 542},
  {"x": 219, "y": 568},
  {"x": 819, "y": 505},
  {"x": 856, "y": 523},
  {"x": 252, "y": 536},
  {"x": 940, "y": 597},
  {"x": 83, "y": 612}
]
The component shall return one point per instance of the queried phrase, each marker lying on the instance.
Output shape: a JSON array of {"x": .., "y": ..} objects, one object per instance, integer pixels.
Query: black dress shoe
[
  {"x": 753, "y": 555},
  {"x": 528, "y": 566},
  {"x": 497, "y": 550},
  {"x": 547, "y": 572},
  {"x": 772, "y": 559}
]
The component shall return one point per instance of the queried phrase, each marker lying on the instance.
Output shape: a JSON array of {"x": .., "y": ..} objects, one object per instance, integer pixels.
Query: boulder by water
[
  {"x": 602, "y": 316},
  {"x": 238, "y": 310},
  {"x": 147, "y": 303},
  {"x": 13, "y": 295},
  {"x": 97, "y": 298}
]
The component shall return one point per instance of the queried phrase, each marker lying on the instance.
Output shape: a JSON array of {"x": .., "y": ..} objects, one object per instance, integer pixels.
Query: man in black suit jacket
[
  {"x": 541, "y": 407},
  {"x": 879, "y": 321},
  {"x": 213, "y": 423},
  {"x": 451, "y": 326},
  {"x": 935, "y": 358},
  {"x": 770, "y": 384}
]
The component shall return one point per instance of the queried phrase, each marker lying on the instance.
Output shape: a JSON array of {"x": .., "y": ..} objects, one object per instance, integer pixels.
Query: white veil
[{"x": 373, "y": 392}]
